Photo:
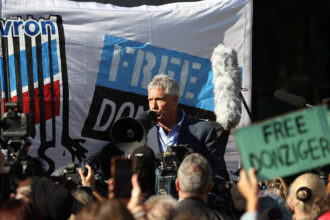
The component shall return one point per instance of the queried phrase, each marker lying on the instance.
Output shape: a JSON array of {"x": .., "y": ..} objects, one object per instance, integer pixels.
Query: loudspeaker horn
[{"x": 129, "y": 133}]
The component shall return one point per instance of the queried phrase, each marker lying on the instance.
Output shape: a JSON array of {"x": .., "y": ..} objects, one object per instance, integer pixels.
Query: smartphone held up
[{"x": 121, "y": 172}]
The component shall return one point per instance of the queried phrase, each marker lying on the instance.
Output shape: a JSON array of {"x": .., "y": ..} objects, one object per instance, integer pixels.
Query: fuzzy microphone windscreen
[{"x": 227, "y": 86}]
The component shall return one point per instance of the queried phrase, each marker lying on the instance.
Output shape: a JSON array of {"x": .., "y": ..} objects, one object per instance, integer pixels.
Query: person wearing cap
[
  {"x": 144, "y": 164},
  {"x": 175, "y": 127}
]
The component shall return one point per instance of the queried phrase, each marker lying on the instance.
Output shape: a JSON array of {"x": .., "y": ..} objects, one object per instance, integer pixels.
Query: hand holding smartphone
[{"x": 121, "y": 172}]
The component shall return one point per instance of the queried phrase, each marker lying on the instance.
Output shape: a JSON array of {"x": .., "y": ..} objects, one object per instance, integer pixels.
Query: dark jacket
[
  {"x": 199, "y": 208},
  {"x": 202, "y": 138}
]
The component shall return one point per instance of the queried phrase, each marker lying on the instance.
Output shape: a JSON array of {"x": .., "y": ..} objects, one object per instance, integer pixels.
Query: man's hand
[
  {"x": 111, "y": 188},
  {"x": 135, "y": 205},
  {"x": 88, "y": 180},
  {"x": 249, "y": 188},
  {"x": 136, "y": 194}
]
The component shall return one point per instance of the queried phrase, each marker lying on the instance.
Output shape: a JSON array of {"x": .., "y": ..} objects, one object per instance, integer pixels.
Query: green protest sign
[
  {"x": 287, "y": 144},
  {"x": 329, "y": 118}
]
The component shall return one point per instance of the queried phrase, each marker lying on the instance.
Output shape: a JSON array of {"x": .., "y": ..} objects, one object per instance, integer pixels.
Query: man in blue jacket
[{"x": 175, "y": 127}]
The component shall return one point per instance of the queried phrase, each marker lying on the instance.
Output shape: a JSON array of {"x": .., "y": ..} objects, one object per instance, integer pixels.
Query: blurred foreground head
[
  {"x": 303, "y": 192},
  {"x": 144, "y": 163},
  {"x": 108, "y": 209},
  {"x": 19, "y": 209},
  {"x": 161, "y": 207}
]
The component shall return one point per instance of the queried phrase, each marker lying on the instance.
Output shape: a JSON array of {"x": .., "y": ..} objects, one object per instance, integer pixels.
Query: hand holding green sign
[{"x": 286, "y": 145}]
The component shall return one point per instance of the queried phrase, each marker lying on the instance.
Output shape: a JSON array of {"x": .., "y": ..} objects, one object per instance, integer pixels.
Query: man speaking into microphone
[{"x": 175, "y": 127}]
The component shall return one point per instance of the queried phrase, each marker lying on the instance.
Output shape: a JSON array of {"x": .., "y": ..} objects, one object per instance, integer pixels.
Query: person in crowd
[
  {"x": 89, "y": 181},
  {"x": 144, "y": 165},
  {"x": 23, "y": 190},
  {"x": 161, "y": 207},
  {"x": 278, "y": 185},
  {"x": 104, "y": 210},
  {"x": 82, "y": 196},
  {"x": 239, "y": 202},
  {"x": 321, "y": 208},
  {"x": 53, "y": 201},
  {"x": 193, "y": 183},
  {"x": 264, "y": 204},
  {"x": 134, "y": 205},
  {"x": 272, "y": 206},
  {"x": 19, "y": 209},
  {"x": 303, "y": 192},
  {"x": 186, "y": 216},
  {"x": 175, "y": 127},
  {"x": 249, "y": 188}
]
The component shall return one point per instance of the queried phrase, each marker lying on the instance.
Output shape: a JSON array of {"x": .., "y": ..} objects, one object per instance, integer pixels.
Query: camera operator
[{"x": 175, "y": 127}]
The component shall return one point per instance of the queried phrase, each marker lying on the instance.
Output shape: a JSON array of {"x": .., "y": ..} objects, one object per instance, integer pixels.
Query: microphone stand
[{"x": 246, "y": 106}]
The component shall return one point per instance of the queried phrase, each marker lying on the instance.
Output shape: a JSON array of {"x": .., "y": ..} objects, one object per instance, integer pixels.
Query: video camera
[
  {"x": 15, "y": 128},
  {"x": 15, "y": 125},
  {"x": 167, "y": 170},
  {"x": 70, "y": 172}
]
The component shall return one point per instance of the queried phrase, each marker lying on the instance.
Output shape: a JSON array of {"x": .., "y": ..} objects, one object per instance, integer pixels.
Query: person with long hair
[{"x": 19, "y": 209}]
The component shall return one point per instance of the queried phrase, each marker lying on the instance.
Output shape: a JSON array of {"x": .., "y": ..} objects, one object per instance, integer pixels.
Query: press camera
[
  {"x": 15, "y": 129},
  {"x": 70, "y": 172},
  {"x": 167, "y": 170}
]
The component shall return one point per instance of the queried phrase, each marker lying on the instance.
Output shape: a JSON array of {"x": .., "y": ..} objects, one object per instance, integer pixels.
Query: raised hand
[{"x": 249, "y": 188}]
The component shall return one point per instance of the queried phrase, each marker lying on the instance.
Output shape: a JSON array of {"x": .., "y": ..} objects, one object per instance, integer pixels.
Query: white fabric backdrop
[{"x": 189, "y": 30}]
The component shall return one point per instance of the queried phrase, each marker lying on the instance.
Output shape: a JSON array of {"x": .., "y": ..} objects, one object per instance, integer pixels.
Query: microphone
[
  {"x": 227, "y": 87},
  {"x": 291, "y": 99}
]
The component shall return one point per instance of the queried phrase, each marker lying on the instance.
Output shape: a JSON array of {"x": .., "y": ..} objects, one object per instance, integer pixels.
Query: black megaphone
[{"x": 129, "y": 133}]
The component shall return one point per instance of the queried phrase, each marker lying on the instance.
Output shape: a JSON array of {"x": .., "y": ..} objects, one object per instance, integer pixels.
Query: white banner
[{"x": 81, "y": 66}]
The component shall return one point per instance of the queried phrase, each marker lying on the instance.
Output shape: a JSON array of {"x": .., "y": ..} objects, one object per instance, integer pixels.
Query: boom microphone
[
  {"x": 227, "y": 87},
  {"x": 291, "y": 99}
]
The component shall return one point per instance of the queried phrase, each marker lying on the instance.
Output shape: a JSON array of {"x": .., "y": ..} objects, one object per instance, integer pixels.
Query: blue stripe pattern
[{"x": 45, "y": 65}]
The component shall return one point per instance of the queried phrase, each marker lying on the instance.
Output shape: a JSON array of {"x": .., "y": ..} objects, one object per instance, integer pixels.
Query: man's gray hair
[
  {"x": 161, "y": 207},
  {"x": 163, "y": 81},
  {"x": 194, "y": 174}
]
